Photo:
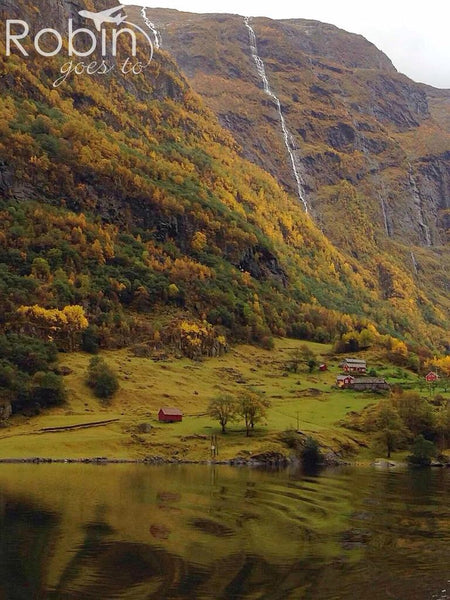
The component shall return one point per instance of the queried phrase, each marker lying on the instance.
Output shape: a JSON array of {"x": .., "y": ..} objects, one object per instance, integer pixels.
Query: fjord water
[{"x": 194, "y": 532}]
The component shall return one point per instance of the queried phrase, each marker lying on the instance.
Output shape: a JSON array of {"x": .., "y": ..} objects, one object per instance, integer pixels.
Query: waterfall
[
  {"x": 153, "y": 29},
  {"x": 383, "y": 210},
  {"x": 288, "y": 138},
  {"x": 379, "y": 189},
  {"x": 418, "y": 203},
  {"x": 414, "y": 262}
]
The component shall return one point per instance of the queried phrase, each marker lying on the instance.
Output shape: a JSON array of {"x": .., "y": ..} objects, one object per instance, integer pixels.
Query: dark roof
[
  {"x": 172, "y": 412},
  {"x": 354, "y": 361},
  {"x": 369, "y": 380}
]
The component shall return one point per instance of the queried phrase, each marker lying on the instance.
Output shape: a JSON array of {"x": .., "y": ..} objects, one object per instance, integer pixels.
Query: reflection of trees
[
  {"x": 184, "y": 533},
  {"x": 25, "y": 547},
  {"x": 103, "y": 568}
]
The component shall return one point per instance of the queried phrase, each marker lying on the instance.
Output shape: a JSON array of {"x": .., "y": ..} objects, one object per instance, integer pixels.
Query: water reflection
[{"x": 138, "y": 532}]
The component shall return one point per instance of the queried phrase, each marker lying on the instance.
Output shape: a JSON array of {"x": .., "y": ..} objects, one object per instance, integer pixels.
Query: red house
[
  {"x": 353, "y": 365},
  {"x": 323, "y": 367},
  {"x": 170, "y": 415},
  {"x": 432, "y": 377},
  {"x": 344, "y": 381}
]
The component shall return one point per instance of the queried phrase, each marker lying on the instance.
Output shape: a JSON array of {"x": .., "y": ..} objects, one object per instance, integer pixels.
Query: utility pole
[{"x": 214, "y": 447}]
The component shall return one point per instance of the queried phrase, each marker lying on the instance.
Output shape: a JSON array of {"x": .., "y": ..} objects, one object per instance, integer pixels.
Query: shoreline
[
  {"x": 279, "y": 462},
  {"x": 266, "y": 462}
]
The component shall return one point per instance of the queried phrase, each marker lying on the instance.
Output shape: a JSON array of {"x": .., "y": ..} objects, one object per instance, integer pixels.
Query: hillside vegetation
[{"x": 128, "y": 199}]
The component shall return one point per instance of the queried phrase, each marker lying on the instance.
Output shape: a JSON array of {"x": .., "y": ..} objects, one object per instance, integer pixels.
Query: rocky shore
[{"x": 265, "y": 459}]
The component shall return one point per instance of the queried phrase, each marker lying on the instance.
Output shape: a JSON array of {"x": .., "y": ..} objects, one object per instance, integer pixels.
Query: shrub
[
  {"x": 47, "y": 389},
  {"x": 292, "y": 440},
  {"x": 423, "y": 452},
  {"x": 267, "y": 342},
  {"x": 102, "y": 379},
  {"x": 90, "y": 341},
  {"x": 416, "y": 413},
  {"x": 311, "y": 454}
]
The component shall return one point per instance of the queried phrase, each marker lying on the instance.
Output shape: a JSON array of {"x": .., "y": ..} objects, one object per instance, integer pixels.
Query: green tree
[
  {"x": 294, "y": 361},
  {"x": 311, "y": 454},
  {"x": 390, "y": 428},
  {"x": 40, "y": 269},
  {"x": 252, "y": 407},
  {"x": 423, "y": 452},
  {"x": 312, "y": 364},
  {"x": 90, "y": 341},
  {"x": 307, "y": 354},
  {"x": 47, "y": 389},
  {"x": 443, "y": 424},
  {"x": 101, "y": 378},
  {"x": 415, "y": 412},
  {"x": 223, "y": 408}
]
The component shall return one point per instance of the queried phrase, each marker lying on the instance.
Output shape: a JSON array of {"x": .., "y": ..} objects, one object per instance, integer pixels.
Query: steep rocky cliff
[{"x": 352, "y": 116}]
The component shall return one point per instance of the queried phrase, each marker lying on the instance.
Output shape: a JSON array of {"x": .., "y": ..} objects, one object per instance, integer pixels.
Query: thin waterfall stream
[
  {"x": 385, "y": 218},
  {"x": 419, "y": 204},
  {"x": 288, "y": 138},
  {"x": 153, "y": 29}
]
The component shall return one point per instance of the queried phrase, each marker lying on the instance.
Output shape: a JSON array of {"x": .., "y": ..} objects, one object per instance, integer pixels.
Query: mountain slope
[
  {"x": 352, "y": 115},
  {"x": 127, "y": 196},
  {"x": 353, "y": 119}
]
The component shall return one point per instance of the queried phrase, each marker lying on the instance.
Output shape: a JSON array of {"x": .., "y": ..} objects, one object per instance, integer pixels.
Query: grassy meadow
[{"x": 303, "y": 401}]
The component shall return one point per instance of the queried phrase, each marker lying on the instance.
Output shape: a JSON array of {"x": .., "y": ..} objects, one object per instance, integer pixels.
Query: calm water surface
[{"x": 193, "y": 532}]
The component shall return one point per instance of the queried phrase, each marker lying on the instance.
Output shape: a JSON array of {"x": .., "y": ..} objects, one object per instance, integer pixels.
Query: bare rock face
[
  {"x": 6, "y": 179},
  {"x": 51, "y": 13}
]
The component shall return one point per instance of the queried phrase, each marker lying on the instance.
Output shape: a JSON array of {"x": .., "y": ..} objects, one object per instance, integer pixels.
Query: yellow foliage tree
[
  {"x": 199, "y": 241},
  {"x": 67, "y": 323}
]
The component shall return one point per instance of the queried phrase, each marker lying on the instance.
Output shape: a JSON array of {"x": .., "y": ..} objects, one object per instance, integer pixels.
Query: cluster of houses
[
  {"x": 351, "y": 378},
  {"x": 353, "y": 367}
]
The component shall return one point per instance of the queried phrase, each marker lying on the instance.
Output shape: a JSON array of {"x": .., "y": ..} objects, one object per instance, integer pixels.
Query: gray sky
[{"x": 415, "y": 35}]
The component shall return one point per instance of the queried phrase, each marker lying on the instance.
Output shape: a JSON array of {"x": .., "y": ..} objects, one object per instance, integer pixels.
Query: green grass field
[{"x": 298, "y": 400}]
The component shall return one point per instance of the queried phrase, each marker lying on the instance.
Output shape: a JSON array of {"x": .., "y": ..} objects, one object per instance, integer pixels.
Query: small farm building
[
  {"x": 354, "y": 365},
  {"x": 369, "y": 383},
  {"x": 431, "y": 377},
  {"x": 362, "y": 383},
  {"x": 344, "y": 380},
  {"x": 170, "y": 415}
]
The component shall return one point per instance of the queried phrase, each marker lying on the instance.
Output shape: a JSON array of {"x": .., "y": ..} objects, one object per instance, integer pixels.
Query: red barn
[
  {"x": 432, "y": 377},
  {"x": 323, "y": 367},
  {"x": 170, "y": 415},
  {"x": 344, "y": 381}
]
